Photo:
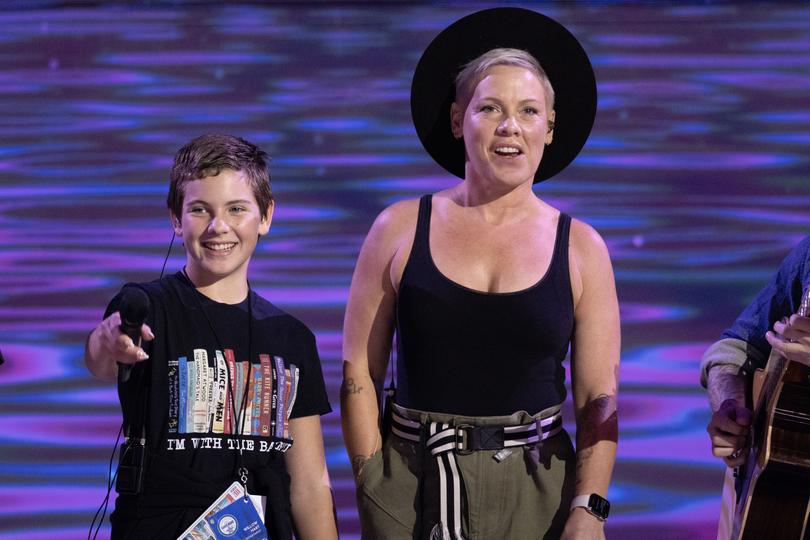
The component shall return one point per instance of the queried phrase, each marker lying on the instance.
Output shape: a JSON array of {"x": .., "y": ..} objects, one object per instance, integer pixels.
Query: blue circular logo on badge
[{"x": 227, "y": 525}]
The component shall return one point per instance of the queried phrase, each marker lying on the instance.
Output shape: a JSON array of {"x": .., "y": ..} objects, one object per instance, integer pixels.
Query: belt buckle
[{"x": 462, "y": 439}]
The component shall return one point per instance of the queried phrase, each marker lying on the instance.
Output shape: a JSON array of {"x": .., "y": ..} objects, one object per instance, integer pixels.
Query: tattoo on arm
[
  {"x": 350, "y": 387},
  {"x": 597, "y": 422}
]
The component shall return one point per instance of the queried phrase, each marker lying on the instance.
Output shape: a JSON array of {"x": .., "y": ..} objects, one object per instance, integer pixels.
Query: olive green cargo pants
[{"x": 525, "y": 496}]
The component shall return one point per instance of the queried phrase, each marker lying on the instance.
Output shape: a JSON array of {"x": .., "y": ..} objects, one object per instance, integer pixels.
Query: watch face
[{"x": 599, "y": 506}]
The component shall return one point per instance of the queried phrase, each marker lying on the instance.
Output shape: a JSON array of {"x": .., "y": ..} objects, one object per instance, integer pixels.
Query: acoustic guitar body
[{"x": 773, "y": 495}]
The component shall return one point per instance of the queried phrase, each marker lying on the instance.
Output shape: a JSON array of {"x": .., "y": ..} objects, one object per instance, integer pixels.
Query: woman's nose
[{"x": 509, "y": 126}]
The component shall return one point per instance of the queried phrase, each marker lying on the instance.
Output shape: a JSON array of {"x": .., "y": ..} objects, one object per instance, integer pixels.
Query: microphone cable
[
  {"x": 102, "y": 508},
  {"x": 110, "y": 482},
  {"x": 166, "y": 258}
]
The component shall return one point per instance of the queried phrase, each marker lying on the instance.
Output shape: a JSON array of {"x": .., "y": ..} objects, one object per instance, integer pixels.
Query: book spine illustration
[
  {"x": 191, "y": 394},
  {"x": 230, "y": 398},
  {"x": 201, "y": 391},
  {"x": 220, "y": 393},
  {"x": 250, "y": 388},
  {"x": 281, "y": 412},
  {"x": 182, "y": 384},
  {"x": 255, "y": 426},
  {"x": 174, "y": 394},
  {"x": 267, "y": 395}
]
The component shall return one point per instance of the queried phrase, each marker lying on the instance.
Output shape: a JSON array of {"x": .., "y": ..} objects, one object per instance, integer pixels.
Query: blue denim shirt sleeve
[{"x": 779, "y": 298}]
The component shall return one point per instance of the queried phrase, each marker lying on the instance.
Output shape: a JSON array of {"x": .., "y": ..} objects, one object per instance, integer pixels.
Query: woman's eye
[
  {"x": 530, "y": 111},
  {"x": 488, "y": 108}
]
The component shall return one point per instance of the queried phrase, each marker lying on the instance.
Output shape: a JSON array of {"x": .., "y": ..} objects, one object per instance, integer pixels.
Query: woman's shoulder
[
  {"x": 399, "y": 214},
  {"x": 394, "y": 223},
  {"x": 588, "y": 255},
  {"x": 389, "y": 241},
  {"x": 584, "y": 239},
  {"x": 589, "y": 261}
]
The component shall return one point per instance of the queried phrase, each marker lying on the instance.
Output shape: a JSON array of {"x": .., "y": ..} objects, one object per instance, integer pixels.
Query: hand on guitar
[
  {"x": 791, "y": 337},
  {"x": 728, "y": 430}
]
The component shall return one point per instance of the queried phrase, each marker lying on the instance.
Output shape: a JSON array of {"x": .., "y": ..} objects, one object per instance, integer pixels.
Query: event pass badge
[{"x": 233, "y": 516}]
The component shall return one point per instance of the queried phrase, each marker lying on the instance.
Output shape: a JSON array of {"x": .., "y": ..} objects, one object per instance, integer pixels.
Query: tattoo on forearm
[
  {"x": 597, "y": 422},
  {"x": 350, "y": 387}
]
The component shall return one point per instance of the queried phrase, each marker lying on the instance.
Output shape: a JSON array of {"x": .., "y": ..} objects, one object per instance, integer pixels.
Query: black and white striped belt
[{"x": 445, "y": 440}]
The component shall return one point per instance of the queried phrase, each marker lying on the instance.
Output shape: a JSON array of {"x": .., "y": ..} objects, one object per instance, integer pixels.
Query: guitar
[{"x": 773, "y": 486}]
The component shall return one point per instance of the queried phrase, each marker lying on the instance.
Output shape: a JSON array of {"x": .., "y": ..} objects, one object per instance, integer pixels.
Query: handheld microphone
[{"x": 134, "y": 308}]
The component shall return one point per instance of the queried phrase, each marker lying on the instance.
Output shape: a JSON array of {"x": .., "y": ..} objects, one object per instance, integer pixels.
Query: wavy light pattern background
[{"x": 695, "y": 174}]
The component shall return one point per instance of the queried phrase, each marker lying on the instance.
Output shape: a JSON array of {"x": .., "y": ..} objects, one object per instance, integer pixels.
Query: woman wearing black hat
[{"x": 486, "y": 286}]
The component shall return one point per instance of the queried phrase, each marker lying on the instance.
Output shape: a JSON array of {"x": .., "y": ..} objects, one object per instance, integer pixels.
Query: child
[{"x": 227, "y": 387}]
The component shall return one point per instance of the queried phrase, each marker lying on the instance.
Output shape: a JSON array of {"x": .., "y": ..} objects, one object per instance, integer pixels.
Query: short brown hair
[{"x": 210, "y": 154}]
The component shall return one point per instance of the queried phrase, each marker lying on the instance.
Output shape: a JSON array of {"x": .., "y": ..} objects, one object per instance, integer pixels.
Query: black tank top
[{"x": 472, "y": 353}]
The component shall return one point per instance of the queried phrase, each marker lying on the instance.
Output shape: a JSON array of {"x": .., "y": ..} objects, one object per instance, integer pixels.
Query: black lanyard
[{"x": 243, "y": 472}]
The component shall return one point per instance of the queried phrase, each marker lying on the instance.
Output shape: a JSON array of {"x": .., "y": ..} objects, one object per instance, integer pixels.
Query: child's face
[{"x": 220, "y": 225}]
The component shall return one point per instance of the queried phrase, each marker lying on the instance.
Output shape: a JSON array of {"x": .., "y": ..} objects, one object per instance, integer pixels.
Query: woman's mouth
[{"x": 507, "y": 151}]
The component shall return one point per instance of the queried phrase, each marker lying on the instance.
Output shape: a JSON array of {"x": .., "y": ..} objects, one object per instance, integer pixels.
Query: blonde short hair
[{"x": 474, "y": 70}]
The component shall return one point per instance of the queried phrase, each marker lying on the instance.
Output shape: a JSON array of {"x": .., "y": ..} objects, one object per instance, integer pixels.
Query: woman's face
[{"x": 505, "y": 126}]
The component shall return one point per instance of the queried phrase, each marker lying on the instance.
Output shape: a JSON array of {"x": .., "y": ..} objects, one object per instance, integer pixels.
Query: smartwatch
[{"x": 597, "y": 506}]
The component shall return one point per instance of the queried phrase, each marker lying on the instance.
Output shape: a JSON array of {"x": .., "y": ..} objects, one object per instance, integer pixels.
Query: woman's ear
[
  {"x": 550, "y": 132},
  {"x": 456, "y": 120},
  {"x": 267, "y": 219}
]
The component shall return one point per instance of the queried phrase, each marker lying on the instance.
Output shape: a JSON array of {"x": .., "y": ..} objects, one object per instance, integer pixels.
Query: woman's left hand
[{"x": 583, "y": 526}]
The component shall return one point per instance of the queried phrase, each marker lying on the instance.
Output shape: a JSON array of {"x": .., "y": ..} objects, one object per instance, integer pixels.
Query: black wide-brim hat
[{"x": 560, "y": 55}]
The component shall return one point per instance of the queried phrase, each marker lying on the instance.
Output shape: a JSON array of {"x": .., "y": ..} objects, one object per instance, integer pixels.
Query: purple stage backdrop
[{"x": 695, "y": 174}]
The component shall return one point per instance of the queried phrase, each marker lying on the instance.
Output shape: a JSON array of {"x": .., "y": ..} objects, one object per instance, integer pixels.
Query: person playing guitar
[{"x": 742, "y": 416}]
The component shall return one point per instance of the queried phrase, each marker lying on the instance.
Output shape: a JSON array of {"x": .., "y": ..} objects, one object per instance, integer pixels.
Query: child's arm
[
  {"x": 310, "y": 491},
  {"x": 107, "y": 346}
]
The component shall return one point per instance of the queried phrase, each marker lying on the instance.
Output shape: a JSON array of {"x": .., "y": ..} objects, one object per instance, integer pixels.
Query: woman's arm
[
  {"x": 367, "y": 331},
  {"x": 594, "y": 372},
  {"x": 310, "y": 492}
]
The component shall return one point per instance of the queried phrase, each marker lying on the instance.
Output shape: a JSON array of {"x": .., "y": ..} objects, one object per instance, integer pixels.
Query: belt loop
[{"x": 462, "y": 439}]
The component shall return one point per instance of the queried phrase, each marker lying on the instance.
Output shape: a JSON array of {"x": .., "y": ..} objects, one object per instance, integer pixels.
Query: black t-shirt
[{"x": 189, "y": 396}]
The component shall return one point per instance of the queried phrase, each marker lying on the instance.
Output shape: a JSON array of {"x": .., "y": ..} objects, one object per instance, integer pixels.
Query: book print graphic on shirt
[{"x": 205, "y": 388}]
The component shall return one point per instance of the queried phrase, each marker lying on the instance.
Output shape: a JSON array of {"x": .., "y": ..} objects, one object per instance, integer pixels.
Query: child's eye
[
  {"x": 196, "y": 210},
  {"x": 238, "y": 209}
]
